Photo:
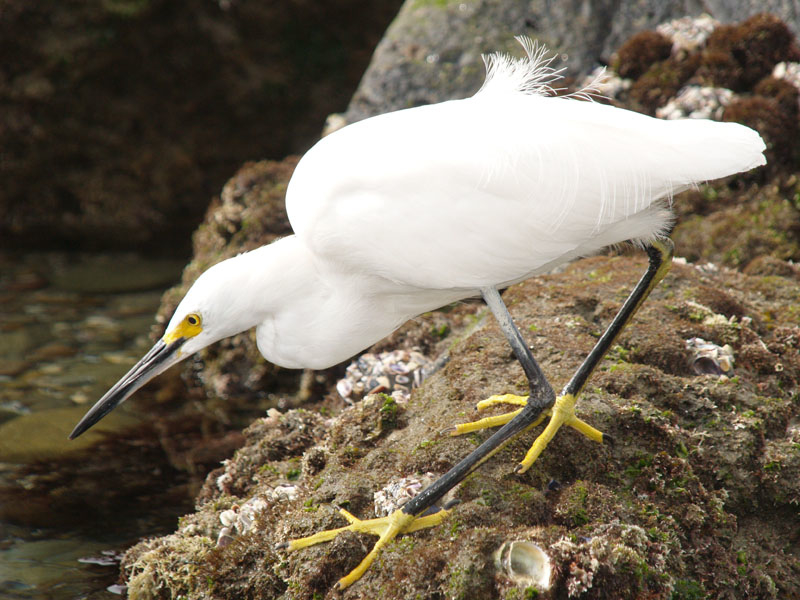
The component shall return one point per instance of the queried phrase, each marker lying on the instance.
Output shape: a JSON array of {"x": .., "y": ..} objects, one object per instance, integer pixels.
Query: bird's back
[{"x": 492, "y": 189}]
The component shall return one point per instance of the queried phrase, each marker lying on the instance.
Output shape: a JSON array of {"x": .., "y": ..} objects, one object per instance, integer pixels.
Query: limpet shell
[
  {"x": 524, "y": 563},
  {"x": 708, "y": 358}
]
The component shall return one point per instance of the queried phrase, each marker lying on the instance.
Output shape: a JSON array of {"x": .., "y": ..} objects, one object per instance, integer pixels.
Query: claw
[
  {"x": 502, "y": 399},
  {"x": 484, "y": 423}
]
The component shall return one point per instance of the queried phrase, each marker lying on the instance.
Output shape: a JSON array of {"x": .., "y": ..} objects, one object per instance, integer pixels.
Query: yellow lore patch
[{"x": 189, "y": 327}]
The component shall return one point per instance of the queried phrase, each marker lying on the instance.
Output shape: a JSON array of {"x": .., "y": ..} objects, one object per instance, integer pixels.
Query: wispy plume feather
[{"x": 532, "y": 74}]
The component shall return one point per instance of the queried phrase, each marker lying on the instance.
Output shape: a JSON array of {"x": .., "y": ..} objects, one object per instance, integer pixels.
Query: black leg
[
  {"x": 660, "y": 254},
  {"x": 541, "y": 398}
]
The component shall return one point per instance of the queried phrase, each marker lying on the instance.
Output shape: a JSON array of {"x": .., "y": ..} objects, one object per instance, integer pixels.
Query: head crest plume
[{"x": 532, "y": 74}]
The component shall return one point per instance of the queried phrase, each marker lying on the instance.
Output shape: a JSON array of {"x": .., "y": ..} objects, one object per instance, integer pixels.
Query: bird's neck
[
  {"x": 260, "y": 283},
  {"x": 281, "y": 271}
]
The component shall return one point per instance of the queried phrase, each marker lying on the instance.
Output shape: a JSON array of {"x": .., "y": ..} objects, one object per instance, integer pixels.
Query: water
[{"x": 69, "y": 327}]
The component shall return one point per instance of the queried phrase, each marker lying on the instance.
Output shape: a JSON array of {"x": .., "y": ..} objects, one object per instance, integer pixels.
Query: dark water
[{"x": 69, "y": 327}]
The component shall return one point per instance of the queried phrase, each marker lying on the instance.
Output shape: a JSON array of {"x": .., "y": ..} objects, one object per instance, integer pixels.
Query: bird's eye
[{"x": 193, "y": 319}]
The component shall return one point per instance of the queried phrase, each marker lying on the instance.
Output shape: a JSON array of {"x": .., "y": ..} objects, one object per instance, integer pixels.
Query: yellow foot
[
  {"x": 387, "y": 528},
  {"x": 562, "y": 413}
]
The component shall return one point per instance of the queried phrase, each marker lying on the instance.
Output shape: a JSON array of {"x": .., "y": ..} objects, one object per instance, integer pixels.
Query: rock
[
  {"x": 16, "y": 342},
  {"x": 53, "y": 350},
  {"x": 117, "y": 273},
  {"x": 12, "y": 368},
  {"x": 131, "y": 305},
  {"x": 415, "y": 64},
  {"x": 42, "y": 435}
]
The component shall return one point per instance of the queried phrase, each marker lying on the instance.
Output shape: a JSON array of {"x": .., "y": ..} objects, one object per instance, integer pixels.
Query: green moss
[
  {"x": 529, "y": 593},
  {"x": 388, "y": 412},
  {"x": 681, "y": 450},
  {"x": 268, "y": 468},
  {"x": 461, "y": 582},
  {"x": 619, "y": 354},
  {"x": 350, "y": 454},
  {"x": 442, "y": 331},
  {"x": 656, "y": 535},
  {"x": 575, "y": 504},
  {"x": 597, "y": 277},
  {"x": 455, "y": 526},
  {"x": 709, "y": 193},
  {"x": 635, "y": 469},
  {"x": 620, "y": 366},
  {"x": 488, "y": 497},
  {"x": 434, "y": 3}
]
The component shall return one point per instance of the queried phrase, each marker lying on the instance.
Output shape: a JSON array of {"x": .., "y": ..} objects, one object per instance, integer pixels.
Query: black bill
[{"x": 156, "y": 361}]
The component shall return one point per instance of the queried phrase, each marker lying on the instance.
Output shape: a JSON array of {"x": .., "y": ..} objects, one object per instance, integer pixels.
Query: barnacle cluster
[{"x": 393, "y": 373}]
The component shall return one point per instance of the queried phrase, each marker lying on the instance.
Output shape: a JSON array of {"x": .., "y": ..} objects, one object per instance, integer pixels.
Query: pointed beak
[{"x": 160, "y": 357}]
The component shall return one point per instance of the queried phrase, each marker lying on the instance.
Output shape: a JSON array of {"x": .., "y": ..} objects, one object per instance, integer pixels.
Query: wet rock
[
  {"x": 42, "y": 435},
  {"x": 115, "y": 274},
  {"x": 53, "y": 350},
  {"x": 16, "y": 343},
  {"x": 24, "y": 280},
  {"x": 12, "y": 368},
  {"x": 140, "y": 303}
]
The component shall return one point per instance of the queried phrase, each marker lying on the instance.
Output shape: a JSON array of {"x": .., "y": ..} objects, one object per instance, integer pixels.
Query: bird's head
[{"x": 213, "y": 308}]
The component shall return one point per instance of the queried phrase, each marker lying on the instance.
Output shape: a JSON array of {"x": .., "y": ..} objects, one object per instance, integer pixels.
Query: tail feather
[{"x": 710, "y": 149}]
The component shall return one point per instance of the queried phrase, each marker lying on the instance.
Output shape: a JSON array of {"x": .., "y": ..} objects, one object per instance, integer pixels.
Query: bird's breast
[{"x": 324, "y": 330}]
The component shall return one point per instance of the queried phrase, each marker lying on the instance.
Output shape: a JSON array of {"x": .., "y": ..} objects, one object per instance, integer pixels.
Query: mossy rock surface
[{"x": 703, "y": 472}]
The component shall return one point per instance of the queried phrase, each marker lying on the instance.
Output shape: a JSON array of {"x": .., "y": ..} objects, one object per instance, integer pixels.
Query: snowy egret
[{"x": 408, "y": 211}]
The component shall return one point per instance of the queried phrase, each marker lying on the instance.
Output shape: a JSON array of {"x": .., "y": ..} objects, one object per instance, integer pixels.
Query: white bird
[{"x": 406, "y": 212}]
